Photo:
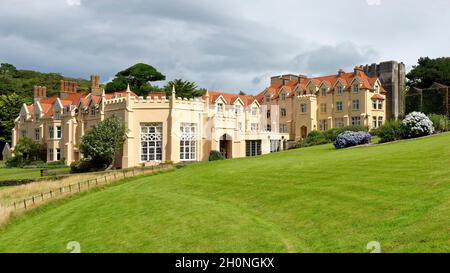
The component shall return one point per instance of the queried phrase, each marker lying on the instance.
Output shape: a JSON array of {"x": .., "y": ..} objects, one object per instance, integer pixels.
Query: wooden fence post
[
  {"x": 32, "y": 198},
  {"x": 89, "y": 185},
  {"x": 25, "y": 203},
  {"x": 42, "y": 196},
  {"x": 70, "y": 188},
  {"x": 51, "y": 194},
  {"x": 15, "y": 206},
  {"x": 79, "y": 187}
]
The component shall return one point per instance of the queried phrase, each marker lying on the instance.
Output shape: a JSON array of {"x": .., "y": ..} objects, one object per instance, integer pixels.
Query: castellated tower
[{"x": 392, "y": 76}]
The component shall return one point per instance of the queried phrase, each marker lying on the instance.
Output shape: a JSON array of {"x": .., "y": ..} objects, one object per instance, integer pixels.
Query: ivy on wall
[{"x": 428, "y": 102}]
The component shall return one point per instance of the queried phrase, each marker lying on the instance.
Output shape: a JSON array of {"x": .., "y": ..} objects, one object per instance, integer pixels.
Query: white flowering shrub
[{"x": 417, "y": 124}]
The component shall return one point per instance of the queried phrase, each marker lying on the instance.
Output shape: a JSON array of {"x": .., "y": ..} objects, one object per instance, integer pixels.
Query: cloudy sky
[{"x": 226, "y": 45}]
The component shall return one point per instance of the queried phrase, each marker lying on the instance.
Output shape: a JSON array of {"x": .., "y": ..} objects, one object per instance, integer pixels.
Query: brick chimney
[
  {"x": 276, "y": 80},
  {"x": 95, "y": 85},
  {"x": 302, "y": 78},
  {"x": 39, "y": 92},
  {"x": 357, "y": 69},
  {"x": 340, "y": 72},
  {"x": 66, "y": 88}
]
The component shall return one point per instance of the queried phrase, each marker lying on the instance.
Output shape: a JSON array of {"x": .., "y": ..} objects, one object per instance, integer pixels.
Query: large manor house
[{"x": 162, "y": 128}]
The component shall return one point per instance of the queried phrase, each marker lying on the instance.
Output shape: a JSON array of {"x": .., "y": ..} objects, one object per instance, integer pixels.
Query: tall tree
[
  {"x": 184, "y": 89},
  {"x": 138, "y": 77},
  {"x": 429, "y": 71},
  {"x": 7, "y": 70},
  {"x": 103, "y": 141},
  {"x": 9, "y": 110}
]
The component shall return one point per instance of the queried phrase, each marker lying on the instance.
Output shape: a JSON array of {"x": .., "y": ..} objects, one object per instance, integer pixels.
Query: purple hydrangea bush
[
  {"x": 349, "y": 139},
  {"x": 417, "y": 124}
]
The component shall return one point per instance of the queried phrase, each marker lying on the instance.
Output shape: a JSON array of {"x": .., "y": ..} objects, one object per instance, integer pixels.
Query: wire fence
[{"x": 102, "y": 180}]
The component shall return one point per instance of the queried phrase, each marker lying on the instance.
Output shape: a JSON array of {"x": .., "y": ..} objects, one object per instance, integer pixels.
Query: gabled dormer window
[
  {"x": 298, "y": 93},
  {"x": 324, "y": 92},
  {"x": 237, "y": 109},
  {"x": 37, "y": 116},
  {"x": 283, "y": 96},
  {"x": 339, "y": 90},
  {"x": 356, "y": 88},
  {"x": 267, "y": 98},
  {"x": 93, "y": 110},
  {"x": 254, "y": 110},
  {"x": 24, "y": 118},
  {"x": 57, "y": 115},
  {"x": 219, "y": 107}
]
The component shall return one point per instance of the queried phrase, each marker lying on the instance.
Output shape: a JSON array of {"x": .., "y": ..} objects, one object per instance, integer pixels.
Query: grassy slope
[{"x": 308, "y": 200}]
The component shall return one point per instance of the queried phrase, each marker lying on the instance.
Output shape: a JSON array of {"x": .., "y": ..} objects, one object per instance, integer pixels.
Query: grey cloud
[
  {"x": 224, "y": 45},
  {"x": 328, "y": 59}
]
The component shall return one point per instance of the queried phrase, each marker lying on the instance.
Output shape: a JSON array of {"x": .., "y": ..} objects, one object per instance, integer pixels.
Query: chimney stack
[
  {"x": 67, "y": 88},
  {"x": 39, "y": 92},
  {"x": 302, "y": 78},
  {"x": 341, "y": 72},
  {"x": 357, "y": 69},
  {"x": 95, "y": 85}
]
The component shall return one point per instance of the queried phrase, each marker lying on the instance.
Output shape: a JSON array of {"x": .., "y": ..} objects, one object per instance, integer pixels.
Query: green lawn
[
  {"x": 308, "y": 200},
  {"x": 19, "y": 173},
  {"x": 31, "y": 173}
]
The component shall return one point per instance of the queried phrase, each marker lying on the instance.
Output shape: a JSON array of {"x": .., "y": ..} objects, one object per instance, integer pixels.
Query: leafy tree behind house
[
  {"x": 138, "y": 77},
  {"x": 101, "y": 144},
  {"x": 26, "y": 151},
  {"x": 184, "y": 89},
  {"x": 429, "y": 71},
  {"x": 10, "y": 105}
]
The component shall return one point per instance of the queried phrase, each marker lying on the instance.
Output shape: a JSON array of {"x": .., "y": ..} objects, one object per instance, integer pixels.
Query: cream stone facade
[
  {"x": 320, "y": 103},
  {"x": 161, "y": 129},
  {"x": 158, "y": 128}
]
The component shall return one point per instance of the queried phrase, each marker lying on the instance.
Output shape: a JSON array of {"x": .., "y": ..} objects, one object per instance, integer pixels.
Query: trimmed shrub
[
  {"x": 441, "y": 123},
  {"x": 417, "y": 124},
  {"x": 390, "y": 131},
  {"x": 328, "y": 136},
  {"x": 86, "y": 165},
  {"x": 349, "y": 139},
  {"x": 215, "y": 155},
  {"x": 314, "y": 138}
]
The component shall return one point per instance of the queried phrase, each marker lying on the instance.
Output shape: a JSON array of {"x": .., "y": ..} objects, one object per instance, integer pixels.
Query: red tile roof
[
  {"x": 345, "y": 78},
  {"x": 378, "y": 97},
  {"x": 229, "y": 98}
]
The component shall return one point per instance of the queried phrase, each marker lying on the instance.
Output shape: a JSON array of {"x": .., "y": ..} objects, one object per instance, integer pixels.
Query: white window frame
[
  {"x": 219, "y": 108},
  {"x": 58, "y": 132},
  {"x": 188, "y": 141},
  {"x": 339, "y": 122},
  {"x": 283, "y": 112},
  {"x": 356, "y": 121},
  {"x": 324, "y": 92},
  {"x": 323, "y": 125},
  {"x": 323, "y": 108},
  {"x": 303, "y": 108},
  {"x": 151, "y": 136},
  {"x": 356, "y": 88},
  {"x": 380, "y": 105},
  {"x": 58, "y": 154},
  {"x": 374, "y": 122},
  {"x": 51, "y": 132},
  {"x": 254, "y": 110},
  {"x": 339, "y": 90},
  {"x": 355, "y": 103},
  {"x": 339, "y": 106},
  {"x": 237, "y": 109},
  {"x": 380, "y": 121},
  {"x": 37, "y": 134},
  {"x": 51, "y": 154}
]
